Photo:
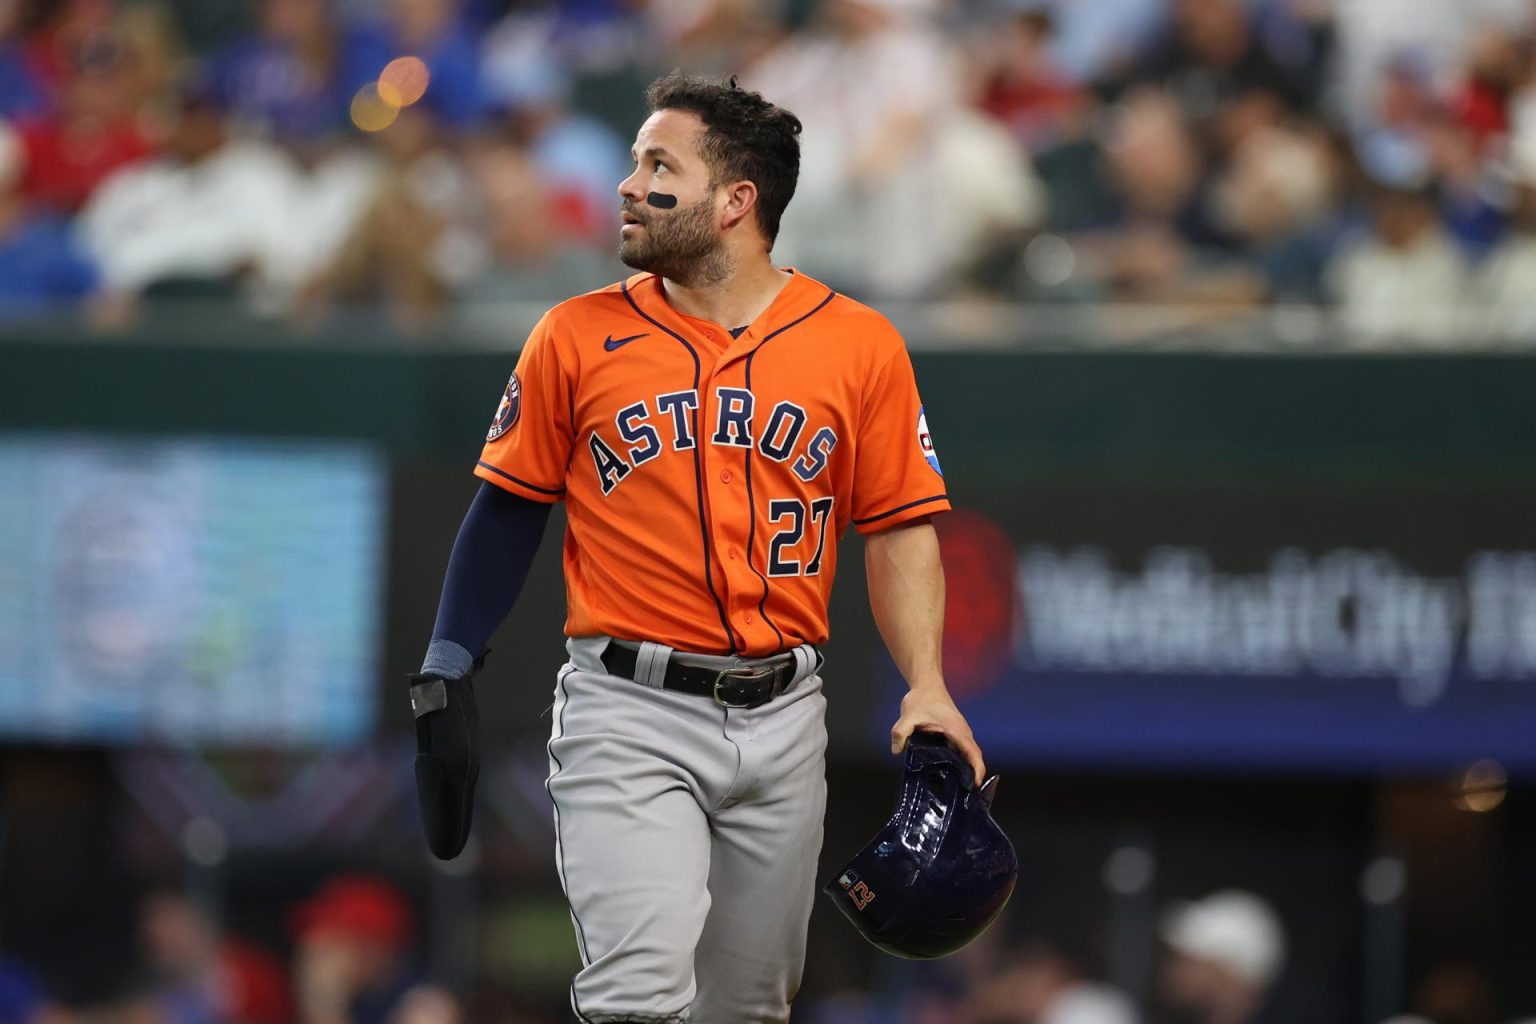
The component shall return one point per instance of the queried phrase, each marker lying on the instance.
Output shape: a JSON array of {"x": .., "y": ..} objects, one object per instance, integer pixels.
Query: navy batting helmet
[{"x": 940, "y": 870}]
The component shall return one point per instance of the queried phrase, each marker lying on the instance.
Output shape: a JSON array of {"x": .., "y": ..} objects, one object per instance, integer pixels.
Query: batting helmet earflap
[{"x": 939, "y": 872}]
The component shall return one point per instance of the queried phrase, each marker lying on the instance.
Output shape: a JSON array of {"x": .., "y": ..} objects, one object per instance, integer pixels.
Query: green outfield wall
[{"x": 1001, "y": 418}]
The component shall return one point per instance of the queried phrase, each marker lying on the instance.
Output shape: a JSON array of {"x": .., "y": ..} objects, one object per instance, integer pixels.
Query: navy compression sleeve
[{"x": 486, "y": 572}]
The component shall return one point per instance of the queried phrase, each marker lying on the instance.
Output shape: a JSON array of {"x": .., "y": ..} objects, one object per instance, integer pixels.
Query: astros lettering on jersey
[{"x": 706, "y": 478}]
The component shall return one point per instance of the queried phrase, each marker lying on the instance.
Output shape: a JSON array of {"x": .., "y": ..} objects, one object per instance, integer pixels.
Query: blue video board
[{"x": 209, "y": 592}]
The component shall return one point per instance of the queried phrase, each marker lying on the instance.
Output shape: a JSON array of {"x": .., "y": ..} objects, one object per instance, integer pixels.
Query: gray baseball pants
[{"x": 686, "y": 839}]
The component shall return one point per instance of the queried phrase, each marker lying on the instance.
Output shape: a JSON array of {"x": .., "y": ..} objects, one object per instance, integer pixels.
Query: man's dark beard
[{"x": 681, "y": 246}]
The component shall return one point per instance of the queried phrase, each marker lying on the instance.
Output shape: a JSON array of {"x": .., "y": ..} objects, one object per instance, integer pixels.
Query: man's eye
[{"x": 660, "y": 166}]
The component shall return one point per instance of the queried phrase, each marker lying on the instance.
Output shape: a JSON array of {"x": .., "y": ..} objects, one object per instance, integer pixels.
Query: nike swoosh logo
[{"x": 611, "y": 343}]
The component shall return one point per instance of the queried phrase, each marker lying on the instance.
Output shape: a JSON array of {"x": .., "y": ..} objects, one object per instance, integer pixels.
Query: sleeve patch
[
  {"x": 925, "y": 441},
  {"x": 507, "y": 409}
]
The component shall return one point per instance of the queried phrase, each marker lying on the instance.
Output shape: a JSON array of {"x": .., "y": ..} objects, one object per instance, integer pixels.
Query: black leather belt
[{"x": 745, "y": 686}]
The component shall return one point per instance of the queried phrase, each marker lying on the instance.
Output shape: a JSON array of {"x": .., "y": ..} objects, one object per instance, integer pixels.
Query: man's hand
[
  {"x": 930, "y": 707},
  {"x": 447, "y": 757}
]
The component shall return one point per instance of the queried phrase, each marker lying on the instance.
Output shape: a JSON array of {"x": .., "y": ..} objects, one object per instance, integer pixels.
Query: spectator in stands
[
  {"x": 1373, "y": 35},
  {"x": 1024, "y": 89},
  {"x": 993, "y": 201},
  {"x": 427, "y": 1004},
  {"x": 352, "y": 954},
  {"x": 1521, "y": 105},
  {"x": 532, "y": 247},
  {"x": 434, "y": 31},
  {"x": 210, "y": 217},
  {"x": 285, "y": 81},
  {"x": 1393, "y": 143},
  {"x": 1102, "y": 40},
  {"x": 1152, "y": 162},
  {"x": 42, "y": 271},
  {"x": 94, "y": 126},
  {"x": 871, "y": 81},
  {"x": 1224, "y": 953},
  {"x": 1457, "y": 992},
  {"x": 714, "y": 36},
  {"x": 203, "y": 977},
  {"x": 50, "y": 33},
  {"x": 579, "y": 158},
  {"x": 414, "y": 243},
  {"x": 1038, "y": 984},
  {"x": 1415, "y": 135},
  {"x": 1504, "y": 288},
  {"x": 1157, "y": 240},
  {"x": 1468, "y": 134},
  {"x": 180, "y": 946},
  {"x": 22, "y": 92},
  {"x": 1230, "y": 81},
  {"x": 880, "y": 94},
  {"x": 1473, "y": 201},
  {"x": 1212, "y": 60},
  {"x": 1276, "y": 198},
  {"x": 590, "y": 37},
  {"x": 1175, "y": 195},
  {"x": 1405, "y": 282},
  {"x": 1495, "y": 65}
]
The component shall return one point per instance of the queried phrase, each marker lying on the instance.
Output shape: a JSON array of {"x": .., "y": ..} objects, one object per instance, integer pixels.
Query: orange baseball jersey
[{"x": 707, "y": 478}]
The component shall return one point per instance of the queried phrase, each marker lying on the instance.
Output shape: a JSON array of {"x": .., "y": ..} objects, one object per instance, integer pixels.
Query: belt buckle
[{"x": 746, "y": 674}]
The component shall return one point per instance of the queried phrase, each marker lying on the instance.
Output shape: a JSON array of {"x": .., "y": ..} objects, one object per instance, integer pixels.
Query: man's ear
[{"x": 740, "y": 203}]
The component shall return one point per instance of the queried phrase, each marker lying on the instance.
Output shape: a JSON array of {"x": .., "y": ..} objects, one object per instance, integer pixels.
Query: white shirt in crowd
[
  {"x": 957, "y": 176},
  {"x": 1391, "y": 296},
  {"x": 1088, "y": 1003},
  {"x": 231, "y": 211}
]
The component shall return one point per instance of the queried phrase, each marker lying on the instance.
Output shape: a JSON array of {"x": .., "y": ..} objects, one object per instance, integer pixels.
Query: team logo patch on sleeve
[
  {"x": 925, "y": 441},
  {"x": 506, "y": 411}
]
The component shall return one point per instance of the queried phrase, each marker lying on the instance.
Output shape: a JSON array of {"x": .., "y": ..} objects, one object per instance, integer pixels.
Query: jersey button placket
[
  {"x": 727, "y": 506},
  {"x": 732, "y": 531},
  {"x": 730, "y": 511}
]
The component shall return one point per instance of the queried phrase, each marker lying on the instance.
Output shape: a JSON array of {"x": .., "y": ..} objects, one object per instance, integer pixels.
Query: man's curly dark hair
[{"x": 746, "y": 137}]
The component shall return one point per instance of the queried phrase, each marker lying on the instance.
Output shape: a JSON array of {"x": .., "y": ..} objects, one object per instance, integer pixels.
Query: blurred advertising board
[
  {"x": 1310, "y": 631},
  {"x": 189, "y": 591}
]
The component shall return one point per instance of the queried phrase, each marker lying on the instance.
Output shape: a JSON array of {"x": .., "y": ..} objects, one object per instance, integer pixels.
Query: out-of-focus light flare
[
  {"x": 205, "y": 842},
  {"x": 370, "y": 111},
  {"x": 1129, "y": 870},
  {"x": 1383, "y": 881},
  {"x": 403, "y": 81},
  {"x": 1482, "y": 787}
]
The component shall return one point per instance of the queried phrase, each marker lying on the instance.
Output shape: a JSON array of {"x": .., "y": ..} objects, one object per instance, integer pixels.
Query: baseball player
[{"x": 713, "y": 424}]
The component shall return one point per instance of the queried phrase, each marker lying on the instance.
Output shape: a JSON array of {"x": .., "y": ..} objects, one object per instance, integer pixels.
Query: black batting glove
[{"x": 447, "y": 756}]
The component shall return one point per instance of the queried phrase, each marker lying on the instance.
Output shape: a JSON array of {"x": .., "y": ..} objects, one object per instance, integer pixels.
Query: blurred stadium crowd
[
  {"x": 432, "y": 159},
  {"x": 357, "y": 953},
  {"x": 357, "y": 957}
]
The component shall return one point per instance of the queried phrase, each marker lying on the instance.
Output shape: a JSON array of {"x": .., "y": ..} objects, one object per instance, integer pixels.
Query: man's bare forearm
[{"x": 906, "y": 596}]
